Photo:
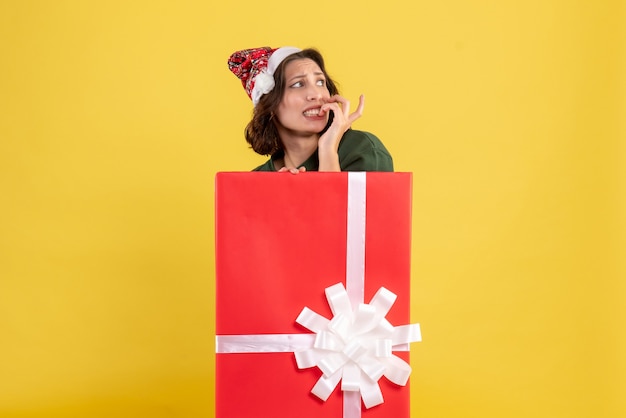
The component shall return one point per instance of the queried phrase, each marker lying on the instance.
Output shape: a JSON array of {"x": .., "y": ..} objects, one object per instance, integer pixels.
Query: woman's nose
[{"x": 313, "y": 93}]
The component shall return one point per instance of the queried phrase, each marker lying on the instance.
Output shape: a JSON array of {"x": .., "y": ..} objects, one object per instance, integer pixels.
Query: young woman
[{"x": 299, "y": 118}]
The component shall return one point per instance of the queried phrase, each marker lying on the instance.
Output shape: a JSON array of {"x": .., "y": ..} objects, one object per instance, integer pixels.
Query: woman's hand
[
  {"x": 342, "y": 120},
  {"x": 292, "y": 170}
]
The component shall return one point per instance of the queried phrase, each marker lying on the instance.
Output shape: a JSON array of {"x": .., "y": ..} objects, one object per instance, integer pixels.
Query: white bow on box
[{"x": 355, "y": 347}]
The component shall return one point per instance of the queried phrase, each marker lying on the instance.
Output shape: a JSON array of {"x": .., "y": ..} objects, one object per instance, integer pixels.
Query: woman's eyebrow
[
  {"x": 303, "y": 75},
  {"x": 295, "y": 77}
]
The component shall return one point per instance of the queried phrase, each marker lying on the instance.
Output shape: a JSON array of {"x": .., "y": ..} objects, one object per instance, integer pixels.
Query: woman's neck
[{"x": 297, "y": 151}]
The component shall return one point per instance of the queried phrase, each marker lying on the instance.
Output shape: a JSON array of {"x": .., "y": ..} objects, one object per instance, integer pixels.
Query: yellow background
[{"x": 115, "y": 116}]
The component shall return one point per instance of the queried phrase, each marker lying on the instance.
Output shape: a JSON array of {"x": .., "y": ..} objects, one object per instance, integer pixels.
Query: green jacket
[{"x": 358, "y": 151}]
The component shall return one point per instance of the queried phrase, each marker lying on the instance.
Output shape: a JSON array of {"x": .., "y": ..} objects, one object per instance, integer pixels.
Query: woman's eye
[{"x": 319, "y": 83}]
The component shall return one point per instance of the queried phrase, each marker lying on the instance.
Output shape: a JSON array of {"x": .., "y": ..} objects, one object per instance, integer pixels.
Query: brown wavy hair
[{"x": 261, "y": 132}]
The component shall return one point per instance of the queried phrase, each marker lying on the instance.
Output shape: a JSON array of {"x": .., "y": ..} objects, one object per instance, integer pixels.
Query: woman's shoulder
[
  {"x": 267, "y": 166},
  {"x": 363, "y": 151},
  {"x": 362, "y": 139}
]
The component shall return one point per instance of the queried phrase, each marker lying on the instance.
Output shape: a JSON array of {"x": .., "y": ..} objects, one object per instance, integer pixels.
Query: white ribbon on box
[{"x": 355, "y": 346}]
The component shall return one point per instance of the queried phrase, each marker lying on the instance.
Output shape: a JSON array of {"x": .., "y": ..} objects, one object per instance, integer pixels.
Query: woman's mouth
[{"x": 312, "y": 112}]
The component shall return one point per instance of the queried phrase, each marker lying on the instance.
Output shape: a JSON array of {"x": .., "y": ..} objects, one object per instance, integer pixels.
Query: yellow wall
[{"x": 115, "y": 116}]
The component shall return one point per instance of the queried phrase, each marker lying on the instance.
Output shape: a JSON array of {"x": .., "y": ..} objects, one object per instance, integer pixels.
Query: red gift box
[{"x": 281, "y": 240}]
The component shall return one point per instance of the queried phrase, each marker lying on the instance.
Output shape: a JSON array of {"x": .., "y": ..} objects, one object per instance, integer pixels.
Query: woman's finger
[
  {"x": 345, "y": 103},
  {"x": 359, "y": 110},
  {"x": 345, "y": 107},
  {"x": 334, "y": 106}
]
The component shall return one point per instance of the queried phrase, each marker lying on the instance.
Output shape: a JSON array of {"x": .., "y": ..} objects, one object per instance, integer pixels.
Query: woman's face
[{"x": 305, "y": 91}]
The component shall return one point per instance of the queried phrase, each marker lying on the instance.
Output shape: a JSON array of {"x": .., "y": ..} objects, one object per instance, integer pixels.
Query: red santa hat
[{"x": 255, "y": 68}]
